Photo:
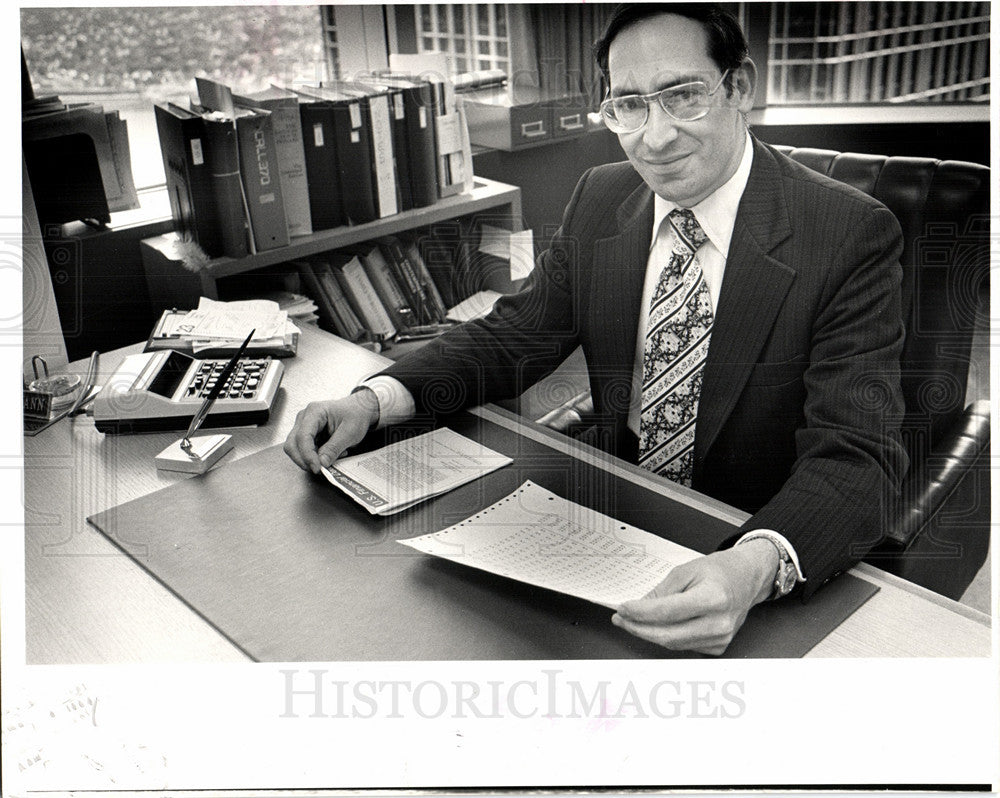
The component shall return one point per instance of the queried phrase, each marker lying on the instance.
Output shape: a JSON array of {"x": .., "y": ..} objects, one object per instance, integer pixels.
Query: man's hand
[
  {"x": 702, "y": 603},
  {"x": 323, "y": 430}
]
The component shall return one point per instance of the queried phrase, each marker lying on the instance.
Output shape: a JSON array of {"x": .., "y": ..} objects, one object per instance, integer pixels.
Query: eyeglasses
[{"x": 684, "y": 103}]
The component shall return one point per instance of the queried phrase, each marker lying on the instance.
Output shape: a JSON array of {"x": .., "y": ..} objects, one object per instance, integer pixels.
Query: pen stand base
[{"x": 208, "y": 448}]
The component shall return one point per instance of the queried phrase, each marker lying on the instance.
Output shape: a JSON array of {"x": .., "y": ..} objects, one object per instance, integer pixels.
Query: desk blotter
[{"x": 290, "y": 569}]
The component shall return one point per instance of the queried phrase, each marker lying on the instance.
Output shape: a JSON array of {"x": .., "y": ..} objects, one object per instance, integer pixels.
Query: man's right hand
[{"x": 324, "y": 430}]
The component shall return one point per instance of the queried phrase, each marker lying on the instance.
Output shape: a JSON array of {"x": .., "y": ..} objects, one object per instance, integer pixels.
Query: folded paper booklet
[
  {"x": 398, "y": 476},
  {"x": 537, "y": 537}
]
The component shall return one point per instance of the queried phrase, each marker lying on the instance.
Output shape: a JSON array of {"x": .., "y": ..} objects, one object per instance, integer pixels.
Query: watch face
[{"x": 786, "y": 579}]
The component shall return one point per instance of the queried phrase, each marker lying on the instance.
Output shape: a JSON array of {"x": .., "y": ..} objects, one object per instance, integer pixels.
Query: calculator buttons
[{"x": 243, "y": 383}]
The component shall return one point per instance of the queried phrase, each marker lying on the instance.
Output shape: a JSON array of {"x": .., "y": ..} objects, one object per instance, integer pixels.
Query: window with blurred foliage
[{"x": 128, "y": 58}]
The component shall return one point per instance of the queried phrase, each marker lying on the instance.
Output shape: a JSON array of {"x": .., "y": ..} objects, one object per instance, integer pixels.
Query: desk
[{"x": 86, "y": 602}]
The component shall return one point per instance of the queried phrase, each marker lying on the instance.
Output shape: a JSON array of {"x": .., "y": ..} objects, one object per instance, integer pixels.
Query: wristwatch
[{"x": 787, "y": 574}]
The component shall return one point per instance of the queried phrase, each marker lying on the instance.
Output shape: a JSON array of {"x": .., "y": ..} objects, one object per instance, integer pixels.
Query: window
[
  {"x": 475, "y": 35},
  {"x": 887, "y": 52},
  {"x": 331, "y": 46},
  {"x": 128, "y": 58}
]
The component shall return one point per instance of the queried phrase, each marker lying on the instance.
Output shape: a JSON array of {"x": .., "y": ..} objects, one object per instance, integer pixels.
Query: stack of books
[
  {"x": 381, "y": 291},
  {"x": 247, "y": 173}
]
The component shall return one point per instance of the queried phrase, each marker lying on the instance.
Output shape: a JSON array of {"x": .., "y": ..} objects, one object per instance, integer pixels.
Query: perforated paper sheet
[{"x": 537, "y": 537}]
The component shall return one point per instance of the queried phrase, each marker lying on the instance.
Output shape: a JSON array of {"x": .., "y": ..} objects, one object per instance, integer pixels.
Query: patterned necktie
[{"x": 677, "y": 337}]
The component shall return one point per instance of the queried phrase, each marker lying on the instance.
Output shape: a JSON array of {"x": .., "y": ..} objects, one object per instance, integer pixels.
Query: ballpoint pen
[{"x": 213, "y": 394}]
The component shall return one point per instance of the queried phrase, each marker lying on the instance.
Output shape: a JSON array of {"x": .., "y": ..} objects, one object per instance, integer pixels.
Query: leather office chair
[{"x": 938, "y": 532}]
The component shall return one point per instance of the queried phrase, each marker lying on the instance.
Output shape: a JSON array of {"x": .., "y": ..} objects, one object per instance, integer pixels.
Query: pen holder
[{"x": 206, "y": 451}]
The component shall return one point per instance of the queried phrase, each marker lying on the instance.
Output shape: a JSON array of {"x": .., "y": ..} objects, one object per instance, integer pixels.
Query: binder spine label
[
  {"x": 318, "y": 135},
  {"x": 385, "y": 171},
  {"x": 355, "y": 115},
  {"x": 197, "y": 153}
]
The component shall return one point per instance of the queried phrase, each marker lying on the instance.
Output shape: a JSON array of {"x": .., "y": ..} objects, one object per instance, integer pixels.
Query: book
[
  {"x": 349, "y": 318},
  {"x": 421, "y": 109},
  {"x": 381, "y": 276},
  {"x": 351, "y": 129},
  {"x": 454, "y": 151},
  {"x": 122, "y": 159},
  {"x": 102, "y": 131},
  {"x": 286, "y": 122},
  {"x": 223, "y": 158},
  {"x": 439, "y": 248},
  {"x": 319, "y": 145},
  {"x": 335, "y": 315},
  {"x": 379, "y": 110},
  {"x": 364, "y": 299},
  {"x": 189, "y": 181},
  {"x": 261, "y": 181},
  {"x": 412, "y": 252},
  {"x": 400, "y": 137},
  {"x": 407, "y": 279}
]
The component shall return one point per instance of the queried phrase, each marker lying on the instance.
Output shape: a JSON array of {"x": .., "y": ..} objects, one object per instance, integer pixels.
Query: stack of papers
[
  {"x": 231, "y": 321},
  {"x": 219, "y": 326},
  {"x": 398, "y": 476}
]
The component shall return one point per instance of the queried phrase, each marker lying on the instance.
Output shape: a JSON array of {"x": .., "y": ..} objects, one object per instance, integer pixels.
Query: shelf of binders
[{"x": 176, "y": 276}]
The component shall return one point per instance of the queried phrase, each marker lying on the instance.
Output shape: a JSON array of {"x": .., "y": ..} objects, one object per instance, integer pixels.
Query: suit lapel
[
  {"x": 619, "y": 271},
  {"x": 753, "y": 289}
]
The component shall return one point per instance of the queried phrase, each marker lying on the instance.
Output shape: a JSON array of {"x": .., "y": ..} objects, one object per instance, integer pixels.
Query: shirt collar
[{"x": 717, "y": 212}]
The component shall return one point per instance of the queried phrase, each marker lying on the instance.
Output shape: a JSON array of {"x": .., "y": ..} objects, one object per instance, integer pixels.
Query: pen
[{"x": 213, "y": 394}]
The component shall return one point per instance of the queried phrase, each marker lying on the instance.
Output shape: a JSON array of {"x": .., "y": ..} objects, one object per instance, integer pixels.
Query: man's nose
[{"x": 660, "y": 128}]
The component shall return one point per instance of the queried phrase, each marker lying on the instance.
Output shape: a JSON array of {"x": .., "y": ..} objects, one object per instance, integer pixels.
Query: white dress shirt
[{"x": 717, "y": 216}]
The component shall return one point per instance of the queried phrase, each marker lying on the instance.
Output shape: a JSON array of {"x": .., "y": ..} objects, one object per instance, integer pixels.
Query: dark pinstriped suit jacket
[{"x": 798, "y": 416}]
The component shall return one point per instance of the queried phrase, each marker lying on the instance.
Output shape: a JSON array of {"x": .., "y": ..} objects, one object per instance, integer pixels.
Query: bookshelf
[{"x": 176, "y": 280}]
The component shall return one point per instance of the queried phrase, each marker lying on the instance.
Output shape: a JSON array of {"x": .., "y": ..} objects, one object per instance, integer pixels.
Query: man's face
[{"x": 681, "y": 161}]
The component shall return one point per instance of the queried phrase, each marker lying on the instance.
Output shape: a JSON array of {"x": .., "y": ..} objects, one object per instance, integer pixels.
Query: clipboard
[{"x": 161, "y": 338}]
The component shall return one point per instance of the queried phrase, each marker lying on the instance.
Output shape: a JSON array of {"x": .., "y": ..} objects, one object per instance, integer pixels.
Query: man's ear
[{"x": 743, "y": 83}]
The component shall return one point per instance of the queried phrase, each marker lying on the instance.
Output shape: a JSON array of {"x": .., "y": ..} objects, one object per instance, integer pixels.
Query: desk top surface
[{"x": 76, "y": 579}]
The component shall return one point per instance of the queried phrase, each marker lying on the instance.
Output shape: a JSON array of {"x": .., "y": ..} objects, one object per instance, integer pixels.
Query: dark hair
[{"x": 727, "y": 44}]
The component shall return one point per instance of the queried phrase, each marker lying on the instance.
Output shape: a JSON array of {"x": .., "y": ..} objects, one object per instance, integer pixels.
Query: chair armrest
[{"x": 930, "y": 484}]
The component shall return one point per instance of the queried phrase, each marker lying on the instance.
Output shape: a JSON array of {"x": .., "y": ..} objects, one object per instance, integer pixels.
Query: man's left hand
[{"x": 701, "y": 604}]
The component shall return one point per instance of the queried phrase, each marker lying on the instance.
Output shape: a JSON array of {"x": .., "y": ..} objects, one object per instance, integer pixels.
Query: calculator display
[{"x": 170, "y": 374}]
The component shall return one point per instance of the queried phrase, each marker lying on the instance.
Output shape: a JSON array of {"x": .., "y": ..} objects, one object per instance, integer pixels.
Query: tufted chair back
[
  {"x": 943, "y": 208},
  {"x": 939, "y": 536}
]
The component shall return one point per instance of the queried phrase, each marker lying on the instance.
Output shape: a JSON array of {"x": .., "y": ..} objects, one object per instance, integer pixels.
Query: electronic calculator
[{"x": 160, "y": 391}]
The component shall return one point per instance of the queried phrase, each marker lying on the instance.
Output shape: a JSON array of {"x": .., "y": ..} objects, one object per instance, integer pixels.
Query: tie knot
[{"x": 687, "y": 227}]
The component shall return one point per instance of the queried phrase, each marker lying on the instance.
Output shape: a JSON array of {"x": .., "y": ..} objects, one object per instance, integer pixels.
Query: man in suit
[{"x": 740, "y": 317}]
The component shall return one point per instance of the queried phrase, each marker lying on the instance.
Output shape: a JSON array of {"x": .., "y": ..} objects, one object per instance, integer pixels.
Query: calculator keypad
[{"x": 243, "y": 383}]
